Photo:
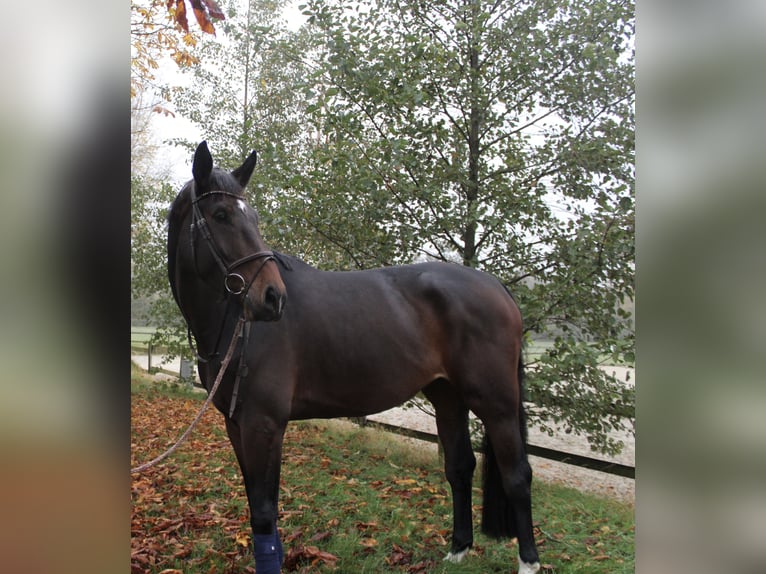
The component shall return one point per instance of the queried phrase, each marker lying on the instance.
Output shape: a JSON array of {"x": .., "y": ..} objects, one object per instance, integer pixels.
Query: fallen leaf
[
  {"x": 422, "y": 567},
  {"x": 320, "y": 536},
  {"x": 601, "y": 557},
  {"x": 302, "y": 554},
  {"x": 398, "y": 557},
  {"x": 242, "y": 539},
  {"x": 404, "y": 481}
]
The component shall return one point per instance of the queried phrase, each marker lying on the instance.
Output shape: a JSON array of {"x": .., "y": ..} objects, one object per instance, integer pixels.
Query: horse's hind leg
[
  {"x": 494, "y": 394},
  {"x": 507, "y": 490},
  {"x": 459, "y": 461}
]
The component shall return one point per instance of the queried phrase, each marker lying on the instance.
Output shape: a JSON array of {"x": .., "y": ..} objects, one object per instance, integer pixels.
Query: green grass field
[
  {"x": 352, "y": 500},
  {"x": 141, "y": 334}
]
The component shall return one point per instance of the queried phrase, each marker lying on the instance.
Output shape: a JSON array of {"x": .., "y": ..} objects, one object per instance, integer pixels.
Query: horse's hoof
[
  {"x": 525, "y": 568},
  {"x": 456, "y": 557}
]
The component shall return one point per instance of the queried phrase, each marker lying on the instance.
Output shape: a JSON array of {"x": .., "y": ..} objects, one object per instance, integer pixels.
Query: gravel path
[{"x": 600, "y": 483}]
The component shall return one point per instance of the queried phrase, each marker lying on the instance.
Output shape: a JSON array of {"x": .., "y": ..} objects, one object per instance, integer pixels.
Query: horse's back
[
  {"x": 455, "y": 296},
  {"x": 417, "y": 301}
]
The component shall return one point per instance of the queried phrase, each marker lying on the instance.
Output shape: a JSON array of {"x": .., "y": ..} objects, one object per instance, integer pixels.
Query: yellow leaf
[{"x": 243, "y": 539}]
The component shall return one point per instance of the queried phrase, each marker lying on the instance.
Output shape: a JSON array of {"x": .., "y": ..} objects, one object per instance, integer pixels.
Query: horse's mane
[{"x": 178, "y": 210}]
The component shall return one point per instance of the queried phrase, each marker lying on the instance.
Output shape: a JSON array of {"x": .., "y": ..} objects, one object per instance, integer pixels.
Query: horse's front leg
[{"x": 257, "y": 441}]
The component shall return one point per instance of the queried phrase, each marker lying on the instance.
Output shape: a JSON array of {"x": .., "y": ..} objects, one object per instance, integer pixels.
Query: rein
[{"x": 218, "y": 379}]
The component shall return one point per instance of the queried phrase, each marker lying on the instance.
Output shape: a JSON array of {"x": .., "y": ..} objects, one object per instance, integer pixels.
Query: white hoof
[
  {"x": 525, "y": 568},
  {"x": 456, "y": 558}
]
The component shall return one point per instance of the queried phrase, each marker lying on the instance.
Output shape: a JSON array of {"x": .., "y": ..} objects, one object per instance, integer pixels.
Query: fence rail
[
  {"x": 144, "y": 347},
  {"x": 600, "y": 465}
]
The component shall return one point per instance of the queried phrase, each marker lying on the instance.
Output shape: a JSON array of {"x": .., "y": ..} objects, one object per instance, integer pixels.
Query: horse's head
[{"x": 225, "y": 247}]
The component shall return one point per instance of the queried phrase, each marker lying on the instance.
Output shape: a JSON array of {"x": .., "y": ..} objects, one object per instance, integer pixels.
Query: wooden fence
[{"x": 600, "y": 465}]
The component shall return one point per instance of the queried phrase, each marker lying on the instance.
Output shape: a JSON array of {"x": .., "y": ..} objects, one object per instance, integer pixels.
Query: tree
[
  {"x": 161, "y": 26},
  {"x": 492, "y": 134},
  {"x": 149, "y": 277},
  {"x": 245, "y": 96},
  {"x": 149, "y": 200},
  {"x": 144, "y": 146},
  {"x": 499, "y": 135}
]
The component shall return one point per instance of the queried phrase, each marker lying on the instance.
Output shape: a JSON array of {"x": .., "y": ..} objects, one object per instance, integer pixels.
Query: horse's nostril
[{"x": 273, "y": 299}]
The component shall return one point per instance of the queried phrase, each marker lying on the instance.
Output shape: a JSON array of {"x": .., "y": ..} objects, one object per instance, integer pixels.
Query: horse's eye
[{"x": 220, "y": 215}]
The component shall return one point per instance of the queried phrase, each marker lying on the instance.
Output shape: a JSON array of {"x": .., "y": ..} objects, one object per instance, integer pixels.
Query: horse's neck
[{"x": 211, "y": 321}]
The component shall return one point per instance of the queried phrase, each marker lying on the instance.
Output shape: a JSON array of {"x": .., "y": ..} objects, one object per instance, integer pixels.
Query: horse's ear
[
  {"x": 243, "y": 172},
  {"x": 202, "y": 165}
]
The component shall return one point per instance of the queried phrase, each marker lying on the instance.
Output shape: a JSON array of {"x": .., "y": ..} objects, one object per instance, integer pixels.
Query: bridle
[{"x": 199, "y": 223}]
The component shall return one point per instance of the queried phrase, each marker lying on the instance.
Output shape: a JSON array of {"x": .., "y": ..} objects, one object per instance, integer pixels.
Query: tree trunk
[{"x": 472, "y": 185}]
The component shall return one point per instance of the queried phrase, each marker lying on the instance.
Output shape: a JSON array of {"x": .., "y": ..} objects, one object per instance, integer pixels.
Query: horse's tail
[{"x": 497, "y": 519}]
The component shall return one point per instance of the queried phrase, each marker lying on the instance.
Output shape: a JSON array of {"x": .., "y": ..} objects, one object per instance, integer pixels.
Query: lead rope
[
  {"x": 241, "y": 371},
  {"x": 217, "y": 383}
]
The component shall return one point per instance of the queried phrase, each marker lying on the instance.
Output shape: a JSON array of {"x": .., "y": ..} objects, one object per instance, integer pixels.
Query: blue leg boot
[{"x": 268, "y": 553}]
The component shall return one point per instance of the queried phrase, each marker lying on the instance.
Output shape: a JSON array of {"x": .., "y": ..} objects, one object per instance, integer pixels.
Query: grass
[
  {"x": 351, "y": 501},
  {"x": 141, "y": 335}
]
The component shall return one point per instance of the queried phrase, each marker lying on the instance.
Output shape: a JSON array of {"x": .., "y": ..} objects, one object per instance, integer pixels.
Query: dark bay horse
[{"x": 330, "y": 344}]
